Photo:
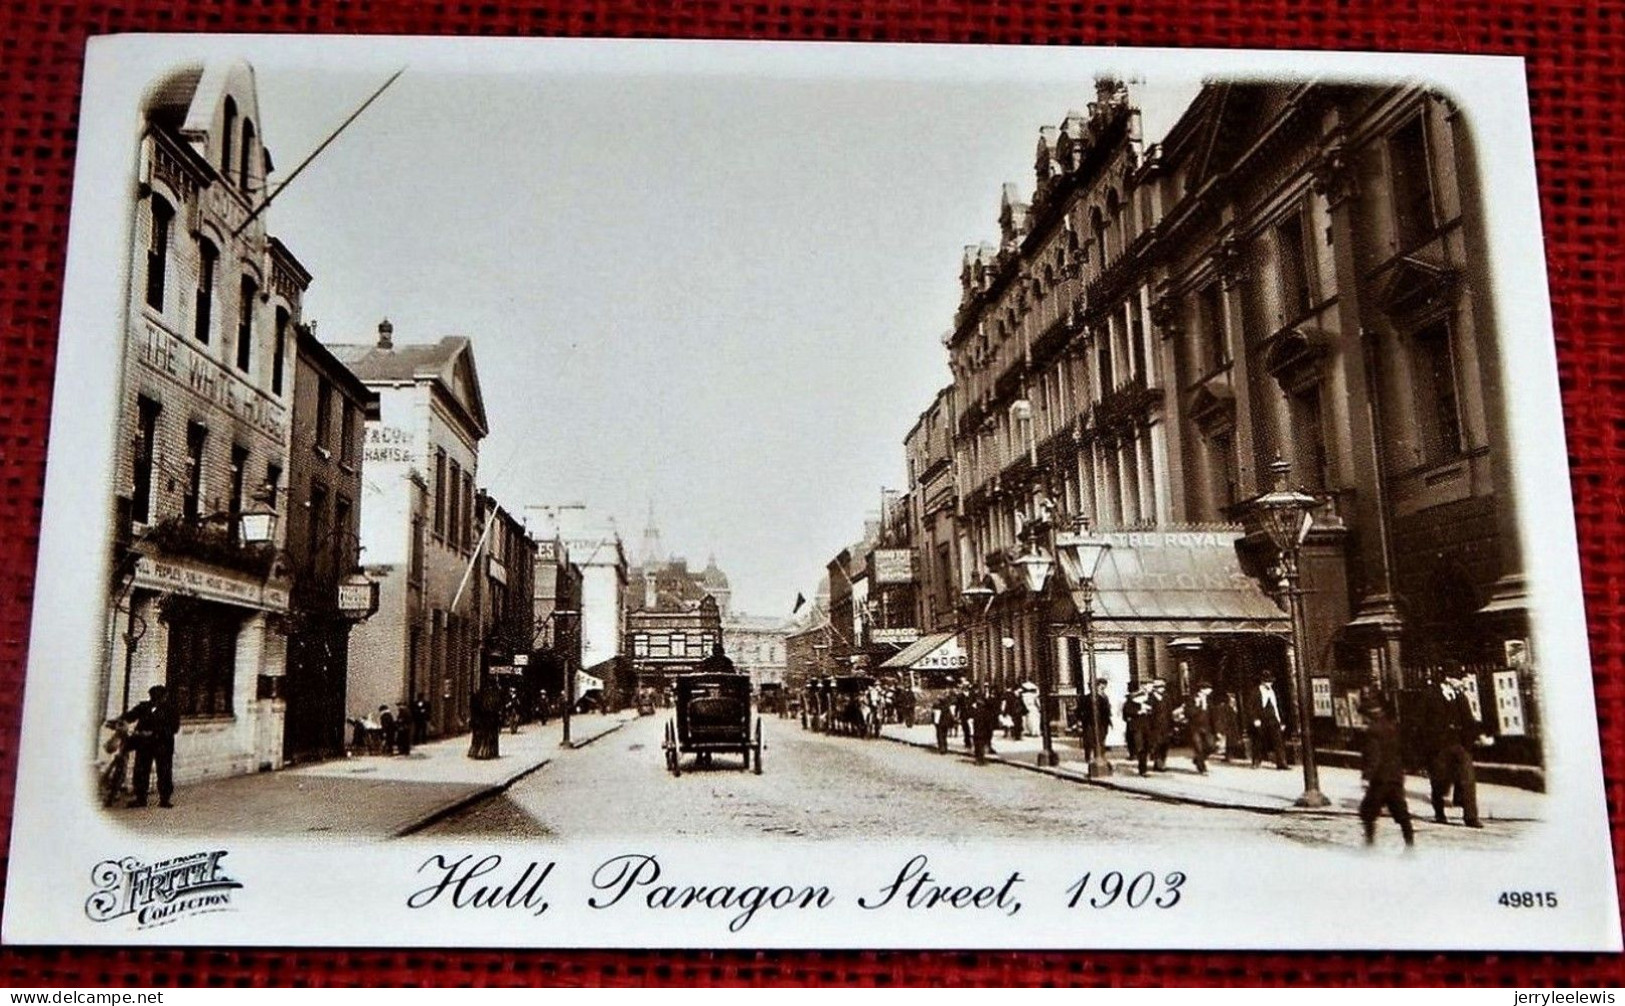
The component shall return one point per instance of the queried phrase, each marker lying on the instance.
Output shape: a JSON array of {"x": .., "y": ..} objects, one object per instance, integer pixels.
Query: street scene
[{"x": 1160, "y": 489}]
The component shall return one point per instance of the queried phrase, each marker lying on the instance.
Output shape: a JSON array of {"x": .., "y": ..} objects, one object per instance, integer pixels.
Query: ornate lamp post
[
  {"x": 1080, "y": 553},
  {"x": 1036, "y": 567},
  {"x": 1286, "y": 515},
  {"x": 977, "y": 599}
]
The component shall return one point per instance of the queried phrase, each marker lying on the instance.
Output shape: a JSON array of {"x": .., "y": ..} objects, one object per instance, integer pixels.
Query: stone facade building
[
  {"x": 420, "y": 528},
  {"x": 756, "y": 644},
  {"x": 1295, "y": 270},
  {"x": 208, "y": 344}
]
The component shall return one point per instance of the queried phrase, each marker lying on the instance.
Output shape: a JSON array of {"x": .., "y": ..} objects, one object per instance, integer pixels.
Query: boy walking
[{"x": 1384, "y": 771}]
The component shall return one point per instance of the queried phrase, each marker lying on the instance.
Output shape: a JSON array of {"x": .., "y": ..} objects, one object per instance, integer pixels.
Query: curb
[
  {"x": 577, "y": 745},
  {"x": 1291, "y": 811},
  {"x": 486, "y": 792}
]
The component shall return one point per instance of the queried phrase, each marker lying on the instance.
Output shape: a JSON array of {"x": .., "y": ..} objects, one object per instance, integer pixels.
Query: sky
[{"x": 719, "y": 295}]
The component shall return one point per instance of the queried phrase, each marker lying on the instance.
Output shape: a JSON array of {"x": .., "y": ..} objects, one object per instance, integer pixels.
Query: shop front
[
  {"x": 217, "y": 640},
  {"x": 1177, "y": 606}
]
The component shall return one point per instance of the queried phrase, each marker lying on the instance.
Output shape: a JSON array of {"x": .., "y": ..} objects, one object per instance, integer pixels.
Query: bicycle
[{"x": 112, "y": 780}]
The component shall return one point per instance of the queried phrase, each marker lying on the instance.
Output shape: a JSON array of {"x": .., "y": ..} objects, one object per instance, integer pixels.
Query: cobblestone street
[{"x": 823, "y": 787}]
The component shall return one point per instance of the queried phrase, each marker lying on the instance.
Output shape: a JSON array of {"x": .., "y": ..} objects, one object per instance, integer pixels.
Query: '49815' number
[{"x": 1527, "y": 899}]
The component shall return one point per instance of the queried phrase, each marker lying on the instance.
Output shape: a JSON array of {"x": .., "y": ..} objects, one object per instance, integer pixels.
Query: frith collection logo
[{"x": 161, "y": 892}]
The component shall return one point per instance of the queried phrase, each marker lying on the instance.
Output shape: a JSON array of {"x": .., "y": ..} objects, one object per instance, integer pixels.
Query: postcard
[{"x": 684, "y": 494}]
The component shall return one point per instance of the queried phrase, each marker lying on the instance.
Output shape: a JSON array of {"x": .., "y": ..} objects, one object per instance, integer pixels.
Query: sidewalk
[
  {"x": 377, "y": 795},
  {"x": 1232, "y": 785}
]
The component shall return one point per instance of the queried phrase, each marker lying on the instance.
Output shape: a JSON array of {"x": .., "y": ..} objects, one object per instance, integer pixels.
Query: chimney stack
[{"x": 386, "y": 335}]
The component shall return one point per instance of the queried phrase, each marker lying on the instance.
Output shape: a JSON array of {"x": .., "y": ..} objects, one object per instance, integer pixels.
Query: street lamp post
[
  {"x": 977, "y": 600},
  {"x": 1080, "y": 554},
  {"x": 1287, "y": 515},
  {"x": 1036, "y": 566},
  {"x": 555, "y": 618}
]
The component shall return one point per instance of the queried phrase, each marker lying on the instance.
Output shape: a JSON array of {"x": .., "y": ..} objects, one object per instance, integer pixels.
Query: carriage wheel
[{"x": 758, "y": 747}]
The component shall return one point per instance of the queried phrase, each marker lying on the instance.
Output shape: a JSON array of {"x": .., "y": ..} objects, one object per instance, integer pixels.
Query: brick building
[
  {"x": 331, "y": 408},
  {"x": 507, "y": 601},
  {"x": 208, "y": 345}
]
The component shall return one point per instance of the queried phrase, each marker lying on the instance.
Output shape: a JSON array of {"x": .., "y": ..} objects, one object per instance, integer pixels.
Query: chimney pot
[{"x": 386, "y": 335}]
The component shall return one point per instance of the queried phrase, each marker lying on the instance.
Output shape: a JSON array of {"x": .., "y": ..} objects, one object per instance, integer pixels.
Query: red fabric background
[{"x": 1575, "y": 50}]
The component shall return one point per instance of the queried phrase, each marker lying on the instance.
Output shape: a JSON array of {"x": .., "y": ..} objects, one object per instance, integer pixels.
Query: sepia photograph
[{"x": 747, "y": 494}]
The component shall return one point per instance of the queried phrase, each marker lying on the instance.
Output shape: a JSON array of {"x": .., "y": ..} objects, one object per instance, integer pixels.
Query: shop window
[{"x": 201, "y": 664}]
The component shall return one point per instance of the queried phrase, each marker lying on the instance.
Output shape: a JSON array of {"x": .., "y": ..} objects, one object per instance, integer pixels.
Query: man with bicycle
[{"x": 155, "y": 725}]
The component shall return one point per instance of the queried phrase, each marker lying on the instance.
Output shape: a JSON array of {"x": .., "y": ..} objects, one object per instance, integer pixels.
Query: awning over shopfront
[
  {"x": 937, "y": 652},
  {"x": 1179, "y": 583}
]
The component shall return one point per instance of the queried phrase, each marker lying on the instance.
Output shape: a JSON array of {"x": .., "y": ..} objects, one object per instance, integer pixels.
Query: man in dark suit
[
  {"x": 1199, "y": 722},
  {"x": 1451, "y": 730},
  {"x": 1264, "y": 713},
  {"x": 1161, "y": 730},
  {"x": 942, "y": 717},
  {"x": 155, "y": 725},
  {"x": 1102, "y": 710}
]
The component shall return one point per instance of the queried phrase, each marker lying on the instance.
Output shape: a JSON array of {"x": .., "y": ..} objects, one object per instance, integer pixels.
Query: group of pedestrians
[
  {"x": 391, "y": 732},
  {"x": 977, "y": 713},
  {"x": 1249, "y": 728}
]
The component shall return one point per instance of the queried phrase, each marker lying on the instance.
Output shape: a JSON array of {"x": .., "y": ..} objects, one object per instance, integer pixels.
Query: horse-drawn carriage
[
  {"x": 713, "y": 717},
  {"x": 850, "y": 703},
  {"x": 772, "y": 698}
]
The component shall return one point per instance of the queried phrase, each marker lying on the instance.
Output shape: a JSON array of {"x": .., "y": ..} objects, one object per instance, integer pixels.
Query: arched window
[
  {"x": 1097, "y": 229},
  {"x": 245, "y": 178},
  {"x": 228, "y": 131},
  {"x": 158, "y": 249}
]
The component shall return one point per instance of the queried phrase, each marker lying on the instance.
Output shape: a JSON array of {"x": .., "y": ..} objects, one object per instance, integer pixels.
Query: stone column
[{"x": 1359, "y": 452}]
